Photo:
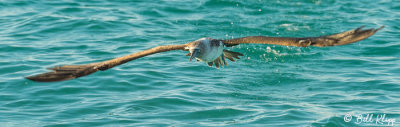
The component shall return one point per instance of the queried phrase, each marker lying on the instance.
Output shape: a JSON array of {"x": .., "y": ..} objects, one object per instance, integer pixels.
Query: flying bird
[{"x": 208, "y": 50}]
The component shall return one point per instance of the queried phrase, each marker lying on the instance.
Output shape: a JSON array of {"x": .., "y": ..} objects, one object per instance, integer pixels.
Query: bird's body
[{"x": 208, "y": 50}]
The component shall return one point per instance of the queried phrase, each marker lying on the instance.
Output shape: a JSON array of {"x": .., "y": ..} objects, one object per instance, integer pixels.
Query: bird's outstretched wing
[
  {"x": 328, "y": 40},
  {"x": 67, "y": 72}
]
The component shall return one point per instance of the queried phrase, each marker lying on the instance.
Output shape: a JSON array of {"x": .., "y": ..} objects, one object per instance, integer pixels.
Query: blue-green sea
[{"x": 271, "y": 85}]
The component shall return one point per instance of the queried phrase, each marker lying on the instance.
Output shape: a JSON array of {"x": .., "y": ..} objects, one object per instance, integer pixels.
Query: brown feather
[
  {"x": 74, "y": 71},
  {"x": 329, "y": 40},
  {"x": 216, "y": 62},
  {"x": 230, "y": 55}
]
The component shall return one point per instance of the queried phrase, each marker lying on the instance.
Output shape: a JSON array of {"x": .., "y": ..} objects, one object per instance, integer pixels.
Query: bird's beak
[{"x": 194, "y": 54}]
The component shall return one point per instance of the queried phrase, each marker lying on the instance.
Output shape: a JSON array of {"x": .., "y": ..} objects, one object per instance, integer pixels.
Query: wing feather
[
  {"x": 67, "y": 72},
  {"x": 329, "y": 40}
]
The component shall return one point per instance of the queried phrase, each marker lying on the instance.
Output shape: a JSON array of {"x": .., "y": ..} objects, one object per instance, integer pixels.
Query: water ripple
[{"x": 269, "y": 86}]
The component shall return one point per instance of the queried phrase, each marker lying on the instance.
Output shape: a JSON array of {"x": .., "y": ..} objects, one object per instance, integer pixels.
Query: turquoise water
[{"x": 269, "y": 86}]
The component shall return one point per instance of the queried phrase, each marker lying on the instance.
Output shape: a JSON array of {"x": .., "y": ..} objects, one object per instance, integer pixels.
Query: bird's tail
[
  {"x": 230, "y": 55},
  {"x": 220, "y": 61}
]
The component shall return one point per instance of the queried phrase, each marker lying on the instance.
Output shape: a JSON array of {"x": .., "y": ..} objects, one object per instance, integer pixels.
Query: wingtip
[
  {"x": 361, "y": 27},
  {"x": 35, "y": 78},
  {"x": 49, "y": 77},
  {"x": 30, "y": 78},
  {"x": 62, "y": 73},
  {"x": 379, "y": 28}
]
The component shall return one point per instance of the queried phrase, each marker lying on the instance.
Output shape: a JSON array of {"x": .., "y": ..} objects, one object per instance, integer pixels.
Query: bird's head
[{"x": 196, "y": 48}]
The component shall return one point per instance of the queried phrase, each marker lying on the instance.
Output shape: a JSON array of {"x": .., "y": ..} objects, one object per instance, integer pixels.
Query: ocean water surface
[{"x": 269, "y": 86}]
